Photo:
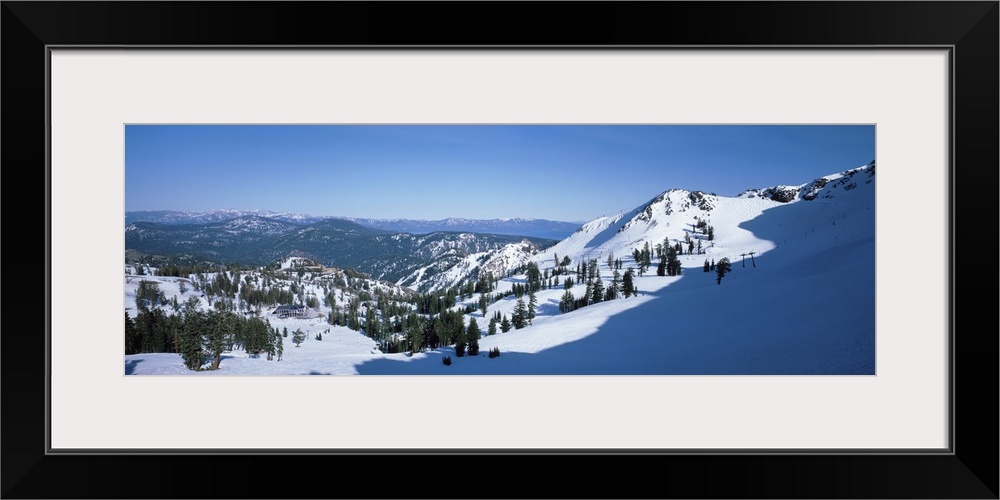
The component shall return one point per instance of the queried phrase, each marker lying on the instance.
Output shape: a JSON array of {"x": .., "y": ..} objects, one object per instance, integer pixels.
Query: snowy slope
[
  {"x": 805, "y": 303},
  {"x": 497, "y": 262}
]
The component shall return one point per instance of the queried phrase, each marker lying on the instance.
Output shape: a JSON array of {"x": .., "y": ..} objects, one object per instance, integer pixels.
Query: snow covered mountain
[
  {"x": 410, "y": 259},
  {"x": 183, "y": 217},
  {"x": 683, "y": 216},
  {"x": 445, "y": 273},
  {"x": 540, "y": 228},
  {"x": 798, "y": 300}
]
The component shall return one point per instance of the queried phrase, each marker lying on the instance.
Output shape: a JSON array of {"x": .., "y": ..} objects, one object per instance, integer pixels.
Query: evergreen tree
[
  {"x": 532, "y": 305},
  {"x": 616, "y": 285},
  {"x": 473, "y": 335},
  {"x": 567, "y": 302},
  {"x": 298, "y": 336},
  {"x": 673, "y": 265},
  {"x": 505, "y": 324},
  {"x": 520, "y": 316},
  {"x": 707, "y": 267},
  {"x": 597, "y": 294},
  {"x": 628, "y": 285},
  {"x": 415, "y": 336},
  {"x": 482, "y": 303},
  {"x": 460, "y": 342},
  {"x": 661, "y": 268},
  {"x": 279, "y": 344},
  {"x": 191, "y": 341},
  {"x": 492, "y": 329},
  {"x": 217, "y": 337},
  {"x": 132, "y": 339},
  {"x": 721, "y": 268}
]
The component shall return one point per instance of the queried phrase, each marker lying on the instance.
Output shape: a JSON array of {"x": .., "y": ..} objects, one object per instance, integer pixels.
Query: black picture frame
[{"x": 970, "y": 29}]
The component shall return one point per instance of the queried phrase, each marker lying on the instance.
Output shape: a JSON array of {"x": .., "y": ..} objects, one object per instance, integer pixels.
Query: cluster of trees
[
  {"x": 483, "y": 284},
  {"x": 182, "y": 270},
  {"x": 522, "y": 316},
  {"x": 200, "y": 336},
  {"x": 560, "y": 266},
  {"x": 595, "y": 291},
  {"x": 704, "y": 228},
  {"x": 148, "y": 294},
  {"x": 669, "y": 265}
]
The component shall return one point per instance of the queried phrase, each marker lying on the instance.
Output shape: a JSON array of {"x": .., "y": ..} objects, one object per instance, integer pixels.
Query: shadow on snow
[{"x": 807, "y": 308}]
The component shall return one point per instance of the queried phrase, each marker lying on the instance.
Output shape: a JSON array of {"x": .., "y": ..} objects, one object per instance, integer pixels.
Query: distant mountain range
[
  {"x": 410, "y": 259},
  {"x": 540, "y": 228}
]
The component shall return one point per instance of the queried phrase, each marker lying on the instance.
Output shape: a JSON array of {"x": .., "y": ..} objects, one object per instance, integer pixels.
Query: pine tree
[
  {"x": 721, "y": 268},
  {"x": 708, "y": 267},
  {"x": 492, "y": 329},
  {"x": 520, "y": 314},
  {"x": 217, "y": 337},
  {"x": 298, "y": 336},
  {"x": 473, "y": 335},
  {"x": 279, "y": 344},
  {"x": 532, "y": 305},
  {"x": 661, "y": 268},
  {"x": 567, "y": 301},
  {"x": 598, "y": 293},
  {"x": 132, "y": 340},
  {"x": 482, "y": 303},
  {"x": 673, "y": 266},
  {"x": 415, "y": 334},
  {"x": 628, "y": 285},
  {"x": 191, "y": 341},
  {"x": 505, "y": 324},
  {"x": 460, "y": 342}
]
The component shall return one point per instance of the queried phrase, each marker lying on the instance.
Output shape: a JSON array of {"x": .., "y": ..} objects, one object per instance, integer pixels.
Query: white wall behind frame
[{"x": 905, "y": 93}]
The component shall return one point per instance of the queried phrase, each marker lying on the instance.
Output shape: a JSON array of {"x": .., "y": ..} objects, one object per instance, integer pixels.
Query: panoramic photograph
[{"x": 265, "y": 250}]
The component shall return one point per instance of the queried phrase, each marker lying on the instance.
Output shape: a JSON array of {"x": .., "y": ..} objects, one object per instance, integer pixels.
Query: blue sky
[{"x": 558, "y": 172}]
